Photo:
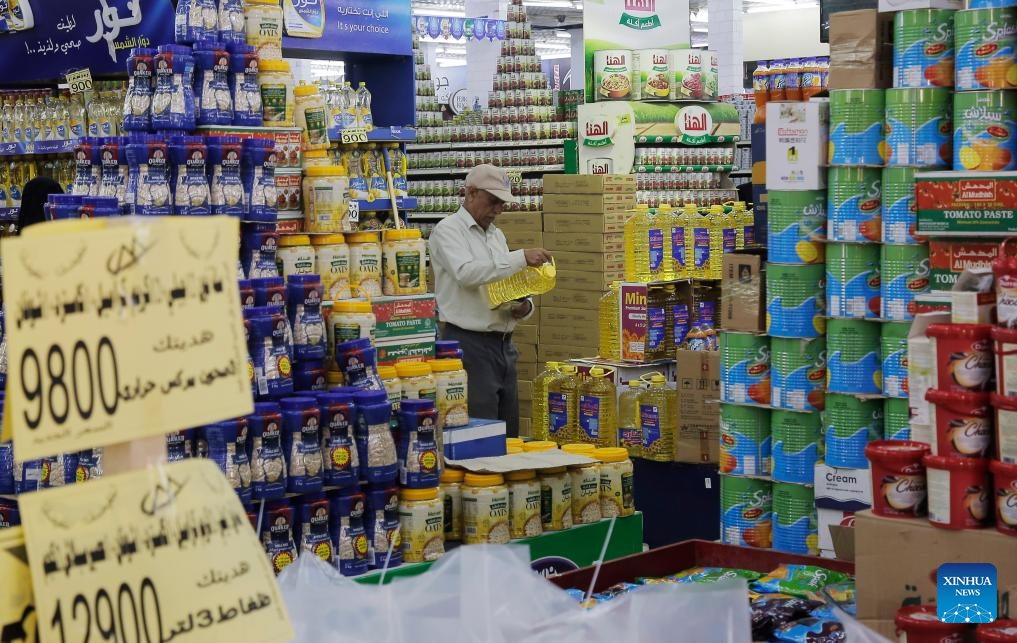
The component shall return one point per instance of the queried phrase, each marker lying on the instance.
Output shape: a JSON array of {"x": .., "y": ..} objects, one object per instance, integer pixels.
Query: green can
[
  {"x": 798, "y": 373},
  {"x": 795, "y": 300},
  {"x": 983, "y": 134},
  {"x": 854, "y": 364},
  {"x": 899, "y": 208},
  {"x": 744, "y": 440},
  {"x": 744, "y": 368},
  {"x": 796, "y": 439},
  {"x": 919, "y": 127},
  {"x": 894, "y": 344},
  {"x": 923, "y": 48},
  {"x": 854, "y": 202},
  {"x": 852, "y": 280},
  {"x": 905, "y": 273},
  {"x": 851, "y": 423},
  {"x": 746, "y": 511},
  {"x": 796, "y": 226},
  {"x": 794, "y": 518},
  {"x": 986, "y": 41},
  {"x": 896, "y": 419},
  {"x": 856, "y": 127}
]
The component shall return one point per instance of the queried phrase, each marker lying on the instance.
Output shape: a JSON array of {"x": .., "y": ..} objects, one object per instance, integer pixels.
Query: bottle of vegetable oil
[
  {"x": 629, "y": 435},
  {"x": 658, "y": 334},
  {"x": 665, "y": 219},
  {"x": 659, "y": 253},
  {"x": 678, "y": 311},
  {"x": 657, "y": 420},
  {"x": 610, "y": 332},
  {"x": 598, "y": 422},
  {"x": 722, "y": 240},
  {"x": 698, "y": 247},
  {"x": 540, "y": 387},
  {"x": 563, "y": 405},
  {"x": 677, "y": 222},
  {"x": 637, "y": 247},
  {"x": 745, "y": 221}
]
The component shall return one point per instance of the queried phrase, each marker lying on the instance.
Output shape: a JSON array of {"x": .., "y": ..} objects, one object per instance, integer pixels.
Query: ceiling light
[
  {"x": 561, "y": 4},
  {"x": 445, "y": 13},
  {"x": 561, "y": 33},
  {"x": 450, "y": 62},
  {"x": 557, "y": 56}
]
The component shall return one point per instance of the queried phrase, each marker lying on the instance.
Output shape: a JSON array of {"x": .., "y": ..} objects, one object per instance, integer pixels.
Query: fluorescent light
[
  {"x": 562, "y": 4},
  {"x": 445, "y": 13},
  {"x": 557, "y": 56},
  {"x": 450, "y": 62},
  {"x": 561, "y": 33}
]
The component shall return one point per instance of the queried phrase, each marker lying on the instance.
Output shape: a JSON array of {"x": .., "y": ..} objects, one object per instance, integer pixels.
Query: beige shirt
[{"x": 465, "y": 257}]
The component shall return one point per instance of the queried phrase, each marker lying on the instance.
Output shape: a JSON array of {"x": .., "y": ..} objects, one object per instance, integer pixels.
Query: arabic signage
[
  {"x": 966, "y": 204},
  {"x": 157, "y": 555},
  {"x": 122, "y": 329},
  {"x": 633, "y": 322},
  {"x": 355, "y": 26},
  {"x": 460, "y": 28},
  {"x": 606, "y": 138},
  {"x": 97, "y": 34}
]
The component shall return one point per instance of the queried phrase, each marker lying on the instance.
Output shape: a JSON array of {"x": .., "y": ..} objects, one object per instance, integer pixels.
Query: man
[{"x": 468, "y": 251}]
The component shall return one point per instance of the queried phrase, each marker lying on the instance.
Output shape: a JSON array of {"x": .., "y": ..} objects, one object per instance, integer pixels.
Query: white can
[{"x": 612, "y": 74}]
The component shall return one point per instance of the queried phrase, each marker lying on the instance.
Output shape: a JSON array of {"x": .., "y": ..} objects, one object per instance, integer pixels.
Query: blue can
[
  {"x": 6, "y": 468},
  {"x": 447, "y": 349},
  {"x": 63, "y": 206},
  {"x": 349, "y": 535},
  {"x": 358, "y": 360},
  {"x": 310, "y": 376},
  {"x": 277, "y": 534},
  {"x": 339, "y": 448},
  {"x": 268, "y": 465},
  {"x": 227, "y": 447},
  {"x": 140, "y": 64},
  {"x": 244, "y": 85},
  {"x": 269, "y": 352},
  {"x": 302, "y": 444}
]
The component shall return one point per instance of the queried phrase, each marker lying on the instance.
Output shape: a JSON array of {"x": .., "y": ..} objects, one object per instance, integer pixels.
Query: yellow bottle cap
[
  {"x": 400, "y": 235},
  {"x": 519, "y": 476},
  {"x": 315, "y": 154},
  {"x": 446, "y": 365},
  {"x": 273, "y": 65},
  {"x": 328, "y": 240},
  {"x": 611, "y": 454},
  {"x": 484, "y": 479},
  {"x": 305, "y": 90},
  {"x": 578, "y": 449},
  {"x": 324, "y": 170},
  {"x": 334, "y": 378},
  {"x": 419, "y": 494},
  {"x": 387, "y": 372},
  {"x": 291, "y": 240},
  {"x": 597, "y": 371},
  {"x": 512, "y": 449},
  {"x": 450, "y": 475},
  {"x": 514, "y": 442},
  {"x": 350, "y": 306},
  {"x": 568, "y": 369},
  {"x": 413, "y": 369},
  {"x": 539, "y": 445},
  {"x": 363, "y": 237},
  {"x": 657, "y": 379},
  {"x": 552, "y": 365}
]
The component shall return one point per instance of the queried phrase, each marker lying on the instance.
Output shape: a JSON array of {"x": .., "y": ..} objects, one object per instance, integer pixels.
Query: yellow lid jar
[
  {"x": 332, "y": 257},
  {"x": 539, "y": 445},
  {"x": 451, "y": 485},
  {"x": 556, "y": 499},
  {"x": 617, "y": 497},
  {"x": 404, "y": 263},
  {"x": 264, "y": 20},
  {"x": 452, "y": 393},
  {"x": 418, "y": 380},
  {"x": 350, "y": 320},
  {"x": 365, "y": 263},
  {"x": 524, "y": 503},
  {"x": 316, "y": 158},
  {"x": 311, "y": 117},
  {"x": 325, "y": 189},
  {"x": 421, "y": 524},
  {"x": 585, "y": 480},
  {"x": 393, "y": 385},
  {"x": 295, "y": 255},
  {"x": 485, "y": 509},
  {"x": 276, "y": 82}
]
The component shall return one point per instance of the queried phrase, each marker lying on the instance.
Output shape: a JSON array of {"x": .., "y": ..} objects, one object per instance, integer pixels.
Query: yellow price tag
[
  {"x": 157, "y": 555},
  {"x": 17, "y": 607},
  {"x": 515, "y": 177},
  {"x": 354, "y": 135},
  {"x": 121, "y": 329},
  {"x": 80, "y": 81}
]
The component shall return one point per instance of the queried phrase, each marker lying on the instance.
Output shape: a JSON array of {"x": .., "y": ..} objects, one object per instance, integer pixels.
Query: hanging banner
[
  {"x": 352, "y": 26},
  {"x": 95, "y": 34},
  {"x": 17, "y": 606},
  {"x": 448, "y": 28}
]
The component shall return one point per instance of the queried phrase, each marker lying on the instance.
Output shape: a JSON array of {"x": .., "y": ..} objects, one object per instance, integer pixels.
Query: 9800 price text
[{"x": 56, "y": 382}]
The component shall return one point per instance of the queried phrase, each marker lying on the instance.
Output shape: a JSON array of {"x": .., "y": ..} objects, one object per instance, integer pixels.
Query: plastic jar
[
  {"x": 617, "y": 495},
  {"x": 514, "y": 442},
  {"x": 350, "y": 320},
  {"x": 999, "y": 631},
  {"x": 485, "y": 509},
  {"x": 1006, "y": 427},
  {"x": 325, "y": 189},
  {"x": 961, "y": 423},
  {"x": 964, "y": 356},
  {"x": 539, "y": 445},
  {"x": 452, "y": 497},
  {"x": 348, "y": 532},
  {"x": 332, "y": 256},
  {"x": 311, "y": 117},
  {"x": 524, "y": 504},
  {"x": 393, "y": 389},
  {"x": 316, "y": 158},
  {"x": 898, "y": 478},
  {"x": 264, "y": 20},
  {"x": 513, "y": 449},
  {"x": 422, "y": 525},
  {"x": 339, "y": 451},
  {"x": 959, "y": 492},
  {"x": 585, "y": 486},
  {"x": 1004, "y": 480},
  {"x": 418, "y": 381},
  {"x": 555, "y": 499},
  {"x": 375, "y": 445},
  {"x": 921, "y": 624},
  {"x": 404, "y": 263},
  {"x": 452, "y": 393},
  {"x": 302, "y": 443},
  {"x": 276, "y": 82},
  {"x": 295, "y": 255},
  {"x": 365, "y": 263}
]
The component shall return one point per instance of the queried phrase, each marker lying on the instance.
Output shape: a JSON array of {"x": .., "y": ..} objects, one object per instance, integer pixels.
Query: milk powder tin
[
  {"x": 986, "y": 42},
  {"x": 904, "y": 274},
  {"x": 744, "y": 440},
  {"x": 795, "y": 300},
  {"x": 744, "y": 368},
  {"x": 852, "y": 280},
  {"x": 919, "y": 127},
  {"x": 983, "y": 135},
  {"x": 796, "y": 226},
  {"x": 854, "y": 204},
  {"x": 746, "y": 511},
  {"x": 854, "y": 365},
  {"x": 923, "y": 48},
  {"x": 894, "y": 344},
  {"x": 896, "y": 419},
  {"x": 798, "y": 372}
]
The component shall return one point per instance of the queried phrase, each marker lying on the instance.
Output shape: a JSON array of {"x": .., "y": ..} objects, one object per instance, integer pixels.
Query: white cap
[{"x": 493, "y": 180}]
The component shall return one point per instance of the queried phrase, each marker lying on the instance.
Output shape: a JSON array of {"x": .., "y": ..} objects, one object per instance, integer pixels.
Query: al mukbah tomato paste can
[
  {"x": 963, "y": 354},
  {"x": 898, "y": 477},
  {"x": 959, "y": 492},
  {"x": 962, "y": 423}
]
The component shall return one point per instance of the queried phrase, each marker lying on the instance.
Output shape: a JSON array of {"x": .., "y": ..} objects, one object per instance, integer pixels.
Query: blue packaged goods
[
  {"x": 310, "y": 376},
  {"x": 313, "y": 527},
  {"x": 230, "y": 24},
  {"x": 195, "y": 20},
  {"x": 6, "y": 469},
  {"x": 148, "y": 180},
  {"x": 173, "y": 97},
  {"x": 63, "y": 206},
  {"x": 259, "y": 164},
  {"x": 9, "y": 514},
  {"x": 267, "y": 345},
  {"x": 339, "y": 449},
  {"x": 190, "y": 182},
  {"x": 87, "y": 161},
  {"x": 811, "y": 630},
  {"x": 382, "y": 523},
  {"x": 302, "y": 444},
  {"x": 277, "y": 534},
  {"x": 138, "y": 102},
  {"x": 227, "y": 447},
  {"x": 246, "y": 293},
  {"x": 226, "y": 187},
  {"x": 416, "y": 449},
  {"x": 98, "y": 207},
  {"x": 773, "y": 612},
  {"x": 268, "y": 466},
  {"x": 113, "y": 176},
  {"x": 269, "y": 291},
  {"x": 244, "y": 85},
  {"x": 375, "y": 444},
  {"x": 447, "y": 349},
  {"x": 358, "y": 360},
  {"x": 303, "y": 304},
  {"x": 89, "y": 465},
  {"x": 258, "y": 245},
  {"x": 212, "y": 97},
  {"x": 180, "y": 445},
  {"x": 349, "y": 537},
  {"x": 480, "y": 438}
]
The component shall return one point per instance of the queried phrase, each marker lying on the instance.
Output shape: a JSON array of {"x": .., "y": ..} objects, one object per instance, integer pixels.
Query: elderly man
[{"x": 467, "y": 252}]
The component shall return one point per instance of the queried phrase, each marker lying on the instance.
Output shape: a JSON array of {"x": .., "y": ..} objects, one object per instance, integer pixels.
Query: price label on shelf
[
  {"x": 17, "y": 606},
  {"x": 515, "y": 177},
  {"x": 151, "y": 556},
  {"x": 80, "y": 81},
  {"x": 354, "y": 135},
  {"x": 121, "y": 329},
  {"x": 354, "y": 211}
]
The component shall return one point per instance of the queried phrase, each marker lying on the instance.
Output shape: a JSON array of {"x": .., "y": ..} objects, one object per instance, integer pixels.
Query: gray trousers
[{"x": 490, "y": 363}]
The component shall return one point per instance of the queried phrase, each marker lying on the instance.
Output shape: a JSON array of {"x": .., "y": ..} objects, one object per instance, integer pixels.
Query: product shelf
[
  {"x": 743, "y": 143},
  {"x": 379, "y": 135},
  {"x": 440, "y": 147},
  {"x": 742, "y": 173},
  {"x": 9, "y": 214},
  {"x": 378, "y": 205},
  {"x": 642, "y": 139},
  {"x": 38, "y": 147},
  {"x": 244, "y": 129},
  {"x": 660, "y": 169},
  {"x": 463, "y": 171}
]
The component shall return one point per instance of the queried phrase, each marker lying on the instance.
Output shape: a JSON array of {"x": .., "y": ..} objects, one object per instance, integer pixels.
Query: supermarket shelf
[
  {"x": 244, "y": 129},
  {"x": 427, "y": 216},
  {"x": 743, "y": 144},
  {"x": 380, "y": 135},
  {"x": 378, "y": 205},
  {"x": 659, "y": 169},
  {"x": 742, "y": 173},
  {"x": 38, "y": 147},
  {"x": 8, "y": 214},
  {"x": 672, "y": 140},
  {"x": 432, "y": 147},
  {"x": 463, "y": 171}
]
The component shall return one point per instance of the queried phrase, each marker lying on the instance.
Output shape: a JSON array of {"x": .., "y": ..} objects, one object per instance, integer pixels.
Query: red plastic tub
[
  {"x": 964, "y": 358},
  {"x": 1002, "y": 631},
  {"x": 921, "y": 624},
  {"x": 1004, "y": 343},
  {"x": 1006, "y": 427},
  {"x": 1004, "y": 484},
  {"x": 898, "y": 477},
  {"x": 961, "y": 423},
  {"x": 1004, "y": 269},
  {"x": 959, "y": 492}
]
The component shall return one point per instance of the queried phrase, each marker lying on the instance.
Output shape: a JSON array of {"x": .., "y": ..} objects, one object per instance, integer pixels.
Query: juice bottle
[
  {"x": 598, "y": 422},
  {"x": 656, "y": 420},
  {"x": 637, "y": 247},
  {"x": 610, "y": 333},
  {"x": 697, "y": 243},
  {"x": 658, "y": 333},
  {"x": 563, "y": 405},
  {"x": 540, "y": 389},
  {"x": 722, "y": 240},
  {"x": 793, "y": 79},
  {"x": 761, "y": 90},
  {"x": 629, "y": 435},
  {"x": 777, "y": 90}
]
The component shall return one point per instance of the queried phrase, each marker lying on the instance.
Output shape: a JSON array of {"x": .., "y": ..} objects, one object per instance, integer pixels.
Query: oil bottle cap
[
  {"x": 568, "y": 369},
  {"x": 665, "y": 208},
  {"x": 597, "y": 371},
  {"x": 657, "y": 379}
]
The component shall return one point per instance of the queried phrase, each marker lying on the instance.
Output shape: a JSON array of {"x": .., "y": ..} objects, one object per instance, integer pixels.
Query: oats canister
[
  {"x": 325, "y": 189},
  {"x": 556, "y": 499},
  {"x": 277, "y": 103},
  {"x": 524, "y": 503},
  {"x": 421, "y": 523},
  {"x": 365, "y": 263},
  {"x": 485, "y": 509},
  {"x": 617, "y": 495},
  {"x": 585, "y": 479},
  {"x": 452, "y": 393},
  {"x": 404, "y": 263},
  {"x": 332, "y": 256},
  {"x": 295, "y": 255},
  {"x": 452, "y": 498}
]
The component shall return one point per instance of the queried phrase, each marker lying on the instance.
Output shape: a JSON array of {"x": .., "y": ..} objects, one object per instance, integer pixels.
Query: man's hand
[
  {"x": 523, "y": 309},
  {"x": 536, "y": 257}
]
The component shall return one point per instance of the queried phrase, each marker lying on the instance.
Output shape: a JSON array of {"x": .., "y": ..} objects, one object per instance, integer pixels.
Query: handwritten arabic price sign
[
  {"x": 151, "y": 556},
  {"x": 80, "y": 81},
  {"x": 121, "y": 329},
  {"x": 353, "y": 210},
  {"x": 17, "y": 607},
  {"x": 354, "y": 135}
]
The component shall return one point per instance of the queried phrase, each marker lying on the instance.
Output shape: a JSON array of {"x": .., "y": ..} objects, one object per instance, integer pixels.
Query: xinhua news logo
[{"x": 966, "y": 593}]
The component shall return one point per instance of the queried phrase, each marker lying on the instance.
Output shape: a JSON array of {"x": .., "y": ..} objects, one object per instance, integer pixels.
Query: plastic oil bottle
[
  {"x": 608, "y": 318},
  {"x": 657, "y": 420},
  {"x": 563, "y": 405},
  {"x": 678, "y": 316},
  {"x": 722, "y": 240},
  {"x": 365, "y": 118},
  {"x": 697, "y": 243},
  {"x": 540, "y": 390},
  {"x": 658, "y": 334},
  {"x": 664, "y": 219},
  {"x": 745, "y": 225},
  {"x": 677, "y": 220},
  {"x": 598, "y": 402},
  {"x": 637, "y": 247},
  {"x": 629, "y": 434}
]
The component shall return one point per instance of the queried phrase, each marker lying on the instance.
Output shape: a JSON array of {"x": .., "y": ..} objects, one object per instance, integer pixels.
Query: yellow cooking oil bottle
[
  {"x": 665, "y": 219},
  {"x": 598, "y": 402},
  {"x": 637, "y": 244},
  {"x": 697, "y": 242},
  {"x": 610, "y": 324},
  {"x": 745, "y": 225},
  {"x": 657, "y": 419},
  {"x": 677, "y": 221},
  {"x": 563, "y": 405},
  {"x": 722, "y": 240},
  {"x": 629, "y": 434},
  {"x": 540, "y": 388},
  {"x": 658, "y": 334}
]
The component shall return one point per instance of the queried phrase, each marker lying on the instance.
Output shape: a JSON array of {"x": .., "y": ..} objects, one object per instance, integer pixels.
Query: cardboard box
[
  {"x": 528, "y": 370},
  {"x": 589, "y": 183},
  {"x": 584, "y": 241},
  {"x": 835, "y": 518},
  {"x": 522, "y": 240},
  {"x": 525, "y": 409},
  {"x": 587, "y": 261},
  {"x": 607, "y": 222},
  {"x": 561, "y": 298},
  {"x": 527, "y": 352},
  {"x": 698, "y": 382},
  {"x": 861, "y": 50},
  {"x": 743, "y": 292},
  {"x": 399, "y": 317},
  {"x": 588, "y": 203},
  {"x": 412, "y": 348},
  {"x": 580, "y": 280},
  {"x": 519, "y": 222},
  {"x": 525, "y": 389},
  {"x": 843, "y": 489},
  {"x": 587, "y": 335},
  {"x": 527, "y": 333},
  {"x": 948, "y": 258},
  {"x": 900, "y": 5},
  {"x": 478, "y": 439},
  {"x": 525, "y": 427},
  {"x": 966, "y": 204},
  {"x": 896, "y": 561},
  {"x": 796, "y": 145},
  {"x": 564, "y": 353},
  {"x": 568, "y": 317}
]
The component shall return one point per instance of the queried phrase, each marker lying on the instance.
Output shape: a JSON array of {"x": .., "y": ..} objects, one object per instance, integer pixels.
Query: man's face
[{"x": 484, "y": 206}]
